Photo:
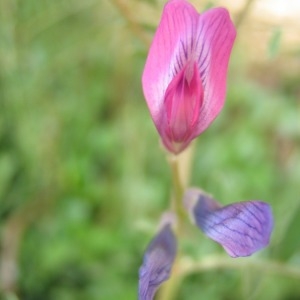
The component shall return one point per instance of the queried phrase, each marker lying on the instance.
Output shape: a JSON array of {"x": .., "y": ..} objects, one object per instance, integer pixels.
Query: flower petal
[
  {"x": 185, "y": 39},
  {"x": 182, "y": 104},
  {"x": 241, "y": 228},
  {"x": 158, "y": 261},
  {"x": 166, "y": 56},
  {"x": 214, "y": 43}
]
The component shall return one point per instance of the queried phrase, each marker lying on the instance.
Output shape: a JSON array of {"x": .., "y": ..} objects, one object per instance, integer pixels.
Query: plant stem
[
  {"x": 186, "y": 266},
  {"x": 242, "y": 15},
  {"x": 134, "y": 26},
  {"x": 169, "y": 289},
  {"x": 178, "y": 190}
]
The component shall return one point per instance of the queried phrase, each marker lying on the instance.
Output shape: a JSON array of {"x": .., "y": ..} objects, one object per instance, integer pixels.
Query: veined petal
[
  {"x": 183, "y": 39},
  {"x": 213, "y": 45},
  {"x": 241, "y": 228},
  {"x": 168, "y": 54},
  {"x": 158, "y": 260},
  {"x": 182, "y": 104}
]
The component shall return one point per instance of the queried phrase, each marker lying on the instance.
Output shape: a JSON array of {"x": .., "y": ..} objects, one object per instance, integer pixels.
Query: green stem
[
  {"x": 187, "y": 266},
  {"x": 170, "y": 288},
  {"x": 242, "y": 15},
  {"x": 178, "y": 190}
]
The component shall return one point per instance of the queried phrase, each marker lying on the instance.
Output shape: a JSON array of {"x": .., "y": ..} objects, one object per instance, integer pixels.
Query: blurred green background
[{"x": 83, "y": 181}]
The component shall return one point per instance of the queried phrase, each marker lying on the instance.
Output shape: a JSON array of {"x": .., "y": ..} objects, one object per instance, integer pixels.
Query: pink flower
[{"x": 184, "y": 79}]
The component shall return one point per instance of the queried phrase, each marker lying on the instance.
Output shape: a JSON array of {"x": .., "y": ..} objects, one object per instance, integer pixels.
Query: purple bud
[
  {"x": 241, "y": 228},
  {"x": 158, "y": 261}
]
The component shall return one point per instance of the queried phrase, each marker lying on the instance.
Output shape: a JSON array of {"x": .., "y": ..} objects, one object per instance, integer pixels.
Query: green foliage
[
  {"x": 82, "y": 173},
  {"x": 274, "y": 43}
]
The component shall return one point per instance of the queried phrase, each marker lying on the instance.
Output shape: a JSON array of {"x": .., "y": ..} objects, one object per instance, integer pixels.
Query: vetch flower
[
  {"x": 241, "y": 228},
  {"x": 184, "y": 79},
  {"x": 158, "y": 259}
]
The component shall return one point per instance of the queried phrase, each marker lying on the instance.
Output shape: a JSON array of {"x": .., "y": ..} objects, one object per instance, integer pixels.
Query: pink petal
[
  {"x": 185, "y": 38},
  {"x": 178, "y": 18},
  {"x": 214, "y": 46},
  {"x": 182, "y": 102}
]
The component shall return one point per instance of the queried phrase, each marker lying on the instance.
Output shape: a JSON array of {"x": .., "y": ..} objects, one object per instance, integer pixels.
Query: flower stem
[
  {"x": 170, "y": 288},
  {"x": 187, "y": 266},
  {"x": 178, "y": 190}
]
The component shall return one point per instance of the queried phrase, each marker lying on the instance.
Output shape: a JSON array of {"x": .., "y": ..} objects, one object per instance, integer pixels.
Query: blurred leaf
[
  {"x": 7, "y": 171},
  {"x": 209, "y": 4},
  {"x": 274, "y": 42},
  {"x": 291, "y": 241}
]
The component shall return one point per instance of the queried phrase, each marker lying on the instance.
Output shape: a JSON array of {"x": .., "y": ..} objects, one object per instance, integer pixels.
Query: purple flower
[
  {"x": 184, "y": 79},
  {"x": 241, "y": 228},
  {"x": 158, "y": 260}
]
